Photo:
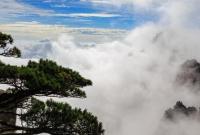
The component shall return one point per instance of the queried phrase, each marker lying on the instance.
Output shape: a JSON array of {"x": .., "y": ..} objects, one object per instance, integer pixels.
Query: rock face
[
  {"x": 180, "y": 110},
  {"x": 189, "y": 73},
  {"x": 9, "y": 118}
]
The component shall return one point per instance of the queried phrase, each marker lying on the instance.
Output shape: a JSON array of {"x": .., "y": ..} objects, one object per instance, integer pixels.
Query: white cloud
[
  {"x": 27, "y": 34},
  {"x": 181, "y": 13},
  {"x": 100, "y": 15},
  {"x": 140, "y": 3},
  {"x": 60, "y": 5},
  {"x": 134, "y": 77},
  {"x": 98, "y": 1},
  {"x": 13, "y": 8},
  {"x": 37, "y": 31},
  {"x": 173, "y": 12}
]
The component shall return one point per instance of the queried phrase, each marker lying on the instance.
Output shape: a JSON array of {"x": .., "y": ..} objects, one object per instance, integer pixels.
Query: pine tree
[
  {"x": 43, "y": 78},
  {"x": 5, "y": 49}
]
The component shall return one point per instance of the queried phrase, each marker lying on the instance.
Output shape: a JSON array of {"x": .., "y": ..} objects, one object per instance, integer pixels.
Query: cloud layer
[
  {"x": 32, "y": 36},
  {"x": 134, "y": 79}
]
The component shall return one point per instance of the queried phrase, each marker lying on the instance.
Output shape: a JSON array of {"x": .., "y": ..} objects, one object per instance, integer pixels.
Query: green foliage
[
  {"x": 43, "y": 78},
  {"x": 6, "y": 40},
  {"x": 60, "y": 119},
  {"x": 46, "y": 78}
]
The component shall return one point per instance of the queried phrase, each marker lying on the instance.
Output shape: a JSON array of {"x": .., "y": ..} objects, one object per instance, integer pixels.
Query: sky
[{"x": 74, "y": 13}]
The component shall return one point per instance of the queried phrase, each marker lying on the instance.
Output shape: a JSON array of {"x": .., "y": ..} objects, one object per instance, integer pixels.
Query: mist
[{"x": 134, "y": 78}]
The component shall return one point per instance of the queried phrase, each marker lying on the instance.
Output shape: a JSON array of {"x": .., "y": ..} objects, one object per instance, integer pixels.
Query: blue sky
[{"x": 74, "y": 13}]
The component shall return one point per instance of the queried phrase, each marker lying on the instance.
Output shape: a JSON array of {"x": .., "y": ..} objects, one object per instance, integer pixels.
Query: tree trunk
[{"x": 8, "y": 116}]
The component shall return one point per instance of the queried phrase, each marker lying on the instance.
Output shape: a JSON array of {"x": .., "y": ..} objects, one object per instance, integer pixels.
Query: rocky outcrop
[
  {"x": 180, "y": 110},
  {"x": 189, "y": 73}
]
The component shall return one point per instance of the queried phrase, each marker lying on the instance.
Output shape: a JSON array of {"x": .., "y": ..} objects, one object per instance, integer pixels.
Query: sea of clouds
[{"x": 134, "y": 78}]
